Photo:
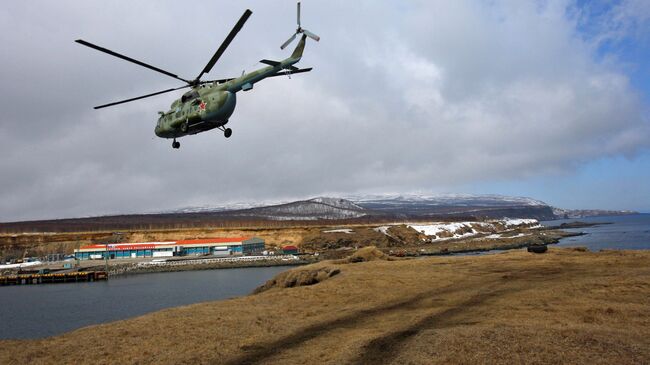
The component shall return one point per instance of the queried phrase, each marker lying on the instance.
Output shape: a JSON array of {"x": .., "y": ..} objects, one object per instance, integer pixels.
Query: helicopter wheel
[
  {"x": 227, "y": 132},
  {"x": 176, "y": 144}
]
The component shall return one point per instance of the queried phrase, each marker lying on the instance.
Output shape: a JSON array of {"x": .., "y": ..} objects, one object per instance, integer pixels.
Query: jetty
[{"x": 66, "y": 277}]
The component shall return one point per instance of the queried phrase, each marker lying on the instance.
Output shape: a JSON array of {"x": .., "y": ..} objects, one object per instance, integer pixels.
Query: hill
[{"x": 355, "y": 209}]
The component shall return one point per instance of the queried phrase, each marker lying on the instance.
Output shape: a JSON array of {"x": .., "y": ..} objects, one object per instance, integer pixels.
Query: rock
[
  {"x": 537, "y": 248},
  {"x": 308, "y": 275},
  {"x": 370, "y": 253}
]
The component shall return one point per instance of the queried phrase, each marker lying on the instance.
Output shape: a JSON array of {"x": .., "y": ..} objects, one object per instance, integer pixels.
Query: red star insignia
[{"x": 202, "y": 106}]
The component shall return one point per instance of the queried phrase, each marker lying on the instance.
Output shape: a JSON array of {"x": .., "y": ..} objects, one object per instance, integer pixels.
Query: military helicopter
[{"x": 209, "y": 104}]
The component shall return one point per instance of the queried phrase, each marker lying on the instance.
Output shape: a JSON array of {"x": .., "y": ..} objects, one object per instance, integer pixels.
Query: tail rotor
[{"x": 300, "y": 30}]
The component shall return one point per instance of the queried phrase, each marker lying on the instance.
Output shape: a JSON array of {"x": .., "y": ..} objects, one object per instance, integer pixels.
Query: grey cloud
[{"x": 404, "y": 96}]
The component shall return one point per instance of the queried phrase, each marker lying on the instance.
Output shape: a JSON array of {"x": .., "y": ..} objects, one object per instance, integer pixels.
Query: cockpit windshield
[{"x": 190, "y": 95}]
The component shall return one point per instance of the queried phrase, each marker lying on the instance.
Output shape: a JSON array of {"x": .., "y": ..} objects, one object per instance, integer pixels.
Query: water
[
  {"x": 33, "y": 311},
  {"x": 631, "y": 232}
]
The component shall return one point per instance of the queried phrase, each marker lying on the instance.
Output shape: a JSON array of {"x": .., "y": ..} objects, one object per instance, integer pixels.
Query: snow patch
[
  {"x": 531, "y": 223},
  {"x": 342, "y": 230},
  {"x": 440, "y": 231},
  {"x": 24, "y": 264},
  {"x": 382, "y": 229},
  {"x": 435, "y": 229}
]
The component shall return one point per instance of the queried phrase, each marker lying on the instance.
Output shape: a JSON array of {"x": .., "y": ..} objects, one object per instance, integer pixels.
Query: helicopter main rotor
[{"x": 190, "y": 83}]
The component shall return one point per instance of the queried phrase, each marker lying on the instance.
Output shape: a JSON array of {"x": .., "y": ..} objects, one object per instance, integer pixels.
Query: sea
[{"x": 628, "y": 232}]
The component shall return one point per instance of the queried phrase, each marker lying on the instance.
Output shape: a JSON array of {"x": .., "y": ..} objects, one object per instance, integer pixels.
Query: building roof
[
  {"x": 212, "y": 240},
  {"x": 290, "y": 247},
  {"x": 129, "y": 246},
  {"x": 152, "y": 245}
]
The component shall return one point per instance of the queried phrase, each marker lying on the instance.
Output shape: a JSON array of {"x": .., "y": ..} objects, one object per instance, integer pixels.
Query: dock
[{"x": 67, "y": 277}]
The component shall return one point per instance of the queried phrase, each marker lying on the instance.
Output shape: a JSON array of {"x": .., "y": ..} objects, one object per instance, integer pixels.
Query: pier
[{"x": 67, "y": 277}]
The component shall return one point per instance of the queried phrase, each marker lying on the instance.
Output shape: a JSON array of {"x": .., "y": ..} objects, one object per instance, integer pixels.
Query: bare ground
[{"x": 564, "y": 306}]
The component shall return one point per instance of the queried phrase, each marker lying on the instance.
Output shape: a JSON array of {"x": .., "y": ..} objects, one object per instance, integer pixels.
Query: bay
[{"x": 35, "y": 311}]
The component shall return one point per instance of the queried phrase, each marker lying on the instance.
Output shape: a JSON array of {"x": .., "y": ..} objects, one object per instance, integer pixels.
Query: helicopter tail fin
[{"x": 297, "y": 53}]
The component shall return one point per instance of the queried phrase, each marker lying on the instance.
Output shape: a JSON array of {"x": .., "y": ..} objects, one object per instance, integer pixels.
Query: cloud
[{"x": 422, "y": 95}]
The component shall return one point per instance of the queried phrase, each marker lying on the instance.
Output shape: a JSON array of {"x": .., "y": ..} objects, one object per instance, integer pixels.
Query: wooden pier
[{"x": 67, "y": 277}]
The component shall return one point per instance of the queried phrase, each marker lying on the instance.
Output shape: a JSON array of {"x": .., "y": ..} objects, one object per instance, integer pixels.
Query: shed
[{"x": 290, "y": 250}]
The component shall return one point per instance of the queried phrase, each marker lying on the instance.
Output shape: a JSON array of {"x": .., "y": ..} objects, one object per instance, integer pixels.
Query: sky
[{"x": 545, "y": 99}]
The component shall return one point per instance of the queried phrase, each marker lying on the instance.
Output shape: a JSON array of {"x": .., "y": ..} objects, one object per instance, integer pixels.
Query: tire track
[
  {"x": 384, "y": 349},
  {"x": 264, "y": 351}
]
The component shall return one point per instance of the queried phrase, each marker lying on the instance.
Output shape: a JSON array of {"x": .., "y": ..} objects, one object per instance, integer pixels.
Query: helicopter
[{"x": 209, "y": 104}]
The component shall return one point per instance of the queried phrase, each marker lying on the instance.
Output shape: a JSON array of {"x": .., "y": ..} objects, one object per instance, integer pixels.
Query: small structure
[
  {"x": 236, "y": 246},
  {"x": 290, "y": 250},
  {"x": 62, "y": 277}
]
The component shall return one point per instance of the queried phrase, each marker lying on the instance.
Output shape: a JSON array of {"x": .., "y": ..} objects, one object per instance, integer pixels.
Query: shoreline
[
  {"x": 500, "y": 245},
  {"x": 514, "y": 306},
  {"x": 453, "y": 247},
  {"x": 135, "y": 268}
]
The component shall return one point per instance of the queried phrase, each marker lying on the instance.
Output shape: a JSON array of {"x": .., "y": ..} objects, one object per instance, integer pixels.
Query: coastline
[
  {"x": 391, "y": 310},
  {"x": 134, "y": 268},
  {"x": 474, "y": 244}
]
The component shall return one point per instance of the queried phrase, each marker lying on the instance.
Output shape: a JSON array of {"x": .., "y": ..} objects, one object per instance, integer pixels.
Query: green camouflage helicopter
[{"x": 209, "y": 104}]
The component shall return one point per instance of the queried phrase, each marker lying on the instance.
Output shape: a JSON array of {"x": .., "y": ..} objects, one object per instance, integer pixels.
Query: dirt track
[{"x": 561, "y": 307}]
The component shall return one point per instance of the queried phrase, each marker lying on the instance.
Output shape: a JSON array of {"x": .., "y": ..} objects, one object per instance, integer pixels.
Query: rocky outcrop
[{"x": 308, "y": 275}]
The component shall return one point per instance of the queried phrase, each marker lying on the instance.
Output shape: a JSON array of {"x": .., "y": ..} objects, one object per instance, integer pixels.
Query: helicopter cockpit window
[{"x": 189, "y": 96}]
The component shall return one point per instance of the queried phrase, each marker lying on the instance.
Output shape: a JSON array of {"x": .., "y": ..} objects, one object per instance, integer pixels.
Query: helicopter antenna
[{"x": 299, "y": 31}]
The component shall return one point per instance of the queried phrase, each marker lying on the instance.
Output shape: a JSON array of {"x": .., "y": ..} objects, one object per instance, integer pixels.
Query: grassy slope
[{"x": 560, "y": 307}]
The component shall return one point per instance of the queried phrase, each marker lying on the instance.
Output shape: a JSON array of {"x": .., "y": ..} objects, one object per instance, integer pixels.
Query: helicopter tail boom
[{"x": 297, "y": 53}]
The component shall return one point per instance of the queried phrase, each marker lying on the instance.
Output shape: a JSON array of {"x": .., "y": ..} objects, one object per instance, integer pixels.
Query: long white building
[{"x": 235, "y": 246}]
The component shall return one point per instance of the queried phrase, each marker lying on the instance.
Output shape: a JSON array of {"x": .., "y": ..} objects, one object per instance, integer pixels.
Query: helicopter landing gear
[
  {"x": 227, "y": 132},
  {"x": 176, "y": 144}
]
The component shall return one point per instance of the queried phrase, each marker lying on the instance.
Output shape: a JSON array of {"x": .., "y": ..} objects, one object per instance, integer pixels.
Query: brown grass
[{"x": 564, "y": 306}]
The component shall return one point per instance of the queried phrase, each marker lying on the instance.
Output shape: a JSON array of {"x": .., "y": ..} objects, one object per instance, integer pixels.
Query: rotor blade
[
  {"x": 283, "y": 73},
  {"x": 285, "y": 44},
  {"x": 226, "y": 42},
  {"x": 102, "y": 49},
  {"x": 311, "y": 35},
  {"x": 298, "y": 14},
  {"x": 140, "y": 97}
]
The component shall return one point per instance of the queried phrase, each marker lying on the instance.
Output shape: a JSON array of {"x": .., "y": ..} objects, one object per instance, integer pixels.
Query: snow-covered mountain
[
  {"x": 583, "y": 213},
  {"x": 312, "y": 209},
  {"x": 382, "y": 208},
  {"x": 488, "y": 206},
  {"x": 487, "y": 200},
  {"x": 215, "y": 208},
  {"x": 399, "y": 206}
]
